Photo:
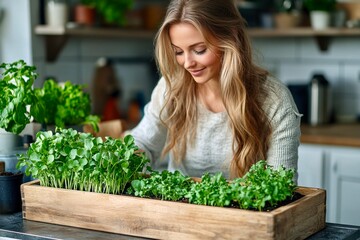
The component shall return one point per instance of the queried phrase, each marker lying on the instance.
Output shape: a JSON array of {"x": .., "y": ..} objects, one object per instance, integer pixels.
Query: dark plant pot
[{"x": 10, "y": 197}]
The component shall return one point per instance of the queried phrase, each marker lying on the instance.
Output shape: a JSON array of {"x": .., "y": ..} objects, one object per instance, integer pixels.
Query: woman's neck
[{"x": 209, "y": 94}]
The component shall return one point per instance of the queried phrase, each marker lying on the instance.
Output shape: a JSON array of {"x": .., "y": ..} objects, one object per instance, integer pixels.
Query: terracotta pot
[
  {"x": 85, "y": 15},
  {"x": 153, "y": 16},
  {"x": 287, "y": 20}
]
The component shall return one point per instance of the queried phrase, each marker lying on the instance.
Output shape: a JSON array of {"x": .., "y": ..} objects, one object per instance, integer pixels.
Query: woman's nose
[{"x": 189, "y": 61}]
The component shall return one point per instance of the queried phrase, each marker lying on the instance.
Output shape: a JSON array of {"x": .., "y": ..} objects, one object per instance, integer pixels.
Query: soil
[{"x": 295, "y": 197}]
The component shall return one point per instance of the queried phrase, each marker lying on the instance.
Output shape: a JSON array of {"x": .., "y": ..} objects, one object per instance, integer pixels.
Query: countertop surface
[
  {"x": 332, "y": 134},
  {"x": 12, "y": 226}
]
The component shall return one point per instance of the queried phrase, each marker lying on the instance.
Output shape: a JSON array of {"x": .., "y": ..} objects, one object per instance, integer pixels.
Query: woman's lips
[{"x": 196, "y": 73}]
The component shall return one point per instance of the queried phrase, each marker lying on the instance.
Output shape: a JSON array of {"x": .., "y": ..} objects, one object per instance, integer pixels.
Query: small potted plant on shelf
[
  {"x": 112, "y": 11},
  {"x": 320, "y": 12},
  {"x": 287, "y": 14},
  {"x": 85, "y": 13}
]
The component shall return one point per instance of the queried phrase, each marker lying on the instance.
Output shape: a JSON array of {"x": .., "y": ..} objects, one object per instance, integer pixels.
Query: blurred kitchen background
[
  {"x": 284, "y": 40},
  {"x": 291, "y": 56}
]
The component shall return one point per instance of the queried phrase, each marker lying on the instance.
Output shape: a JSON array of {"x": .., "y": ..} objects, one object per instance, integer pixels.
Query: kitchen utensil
[{"x": 320, "y": 108}]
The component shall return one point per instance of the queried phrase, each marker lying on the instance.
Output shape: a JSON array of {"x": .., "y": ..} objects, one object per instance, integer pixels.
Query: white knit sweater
[{"x": 212, "y": 150}]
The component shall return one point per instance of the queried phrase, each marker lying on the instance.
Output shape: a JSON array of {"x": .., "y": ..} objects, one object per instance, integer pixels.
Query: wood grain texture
[
  {"x": 112, "y": 128},
  {"x": 172, "y": 220},
  {"x": 332, "y": 134}
]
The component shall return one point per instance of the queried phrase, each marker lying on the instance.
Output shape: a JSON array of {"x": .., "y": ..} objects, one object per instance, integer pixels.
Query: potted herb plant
[
  {"x": 85, "y": 13},
  {"x": 112, "y": 11},
  {"x": 320, "y": 12},
  {"x": 63, "y": 105},
  {"x": 50, "y": 105},
  {"x": 16, "y": 95},
  {"x": 287, "y": 14},
  {"x": 16, "y": 87}
]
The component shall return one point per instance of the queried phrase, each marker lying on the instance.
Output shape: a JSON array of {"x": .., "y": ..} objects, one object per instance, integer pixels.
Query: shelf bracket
[
  {"x": 323, "y": 42},
  {"x": 54, "y": 45}
]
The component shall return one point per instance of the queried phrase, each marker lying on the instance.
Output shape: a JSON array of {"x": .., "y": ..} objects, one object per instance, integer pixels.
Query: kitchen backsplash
[
  {"x": 295, "y": 60},
  {"x": 291, "y": 60}
]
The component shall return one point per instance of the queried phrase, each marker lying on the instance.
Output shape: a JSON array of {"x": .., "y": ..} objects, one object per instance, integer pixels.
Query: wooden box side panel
[
  {"x": 300, "y": 219},
  {"x": 142, "y": 217},
  {"x": 165, "y": 219}
]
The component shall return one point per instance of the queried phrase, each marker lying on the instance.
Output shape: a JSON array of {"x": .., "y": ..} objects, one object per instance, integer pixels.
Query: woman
[{"x": 214, "y": 109}]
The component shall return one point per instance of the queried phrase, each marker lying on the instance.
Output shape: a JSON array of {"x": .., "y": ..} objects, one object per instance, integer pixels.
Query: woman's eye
[
  {"x": 177, "y": 53},
  {"x": 200, "y": 52}
]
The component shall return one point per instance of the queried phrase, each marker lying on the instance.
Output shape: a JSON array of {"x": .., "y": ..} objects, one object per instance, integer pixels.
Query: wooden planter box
[{"x": 172, "y": 220}]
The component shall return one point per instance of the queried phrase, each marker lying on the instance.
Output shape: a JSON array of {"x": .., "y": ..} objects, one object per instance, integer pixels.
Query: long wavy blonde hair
[{"x": 241, "y": 81}]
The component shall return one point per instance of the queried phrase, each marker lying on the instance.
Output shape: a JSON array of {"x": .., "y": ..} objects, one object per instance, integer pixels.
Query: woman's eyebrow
[{"x": 192, "y": 45}]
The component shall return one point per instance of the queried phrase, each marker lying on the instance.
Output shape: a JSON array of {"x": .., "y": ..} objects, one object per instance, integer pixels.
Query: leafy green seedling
[{"x": 74, "y": 160}]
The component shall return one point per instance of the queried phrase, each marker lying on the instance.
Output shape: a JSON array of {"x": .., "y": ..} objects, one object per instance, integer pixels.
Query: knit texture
[{"x": 212, "y": 149}]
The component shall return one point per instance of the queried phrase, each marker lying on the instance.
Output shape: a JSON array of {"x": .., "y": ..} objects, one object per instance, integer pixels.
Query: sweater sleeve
[
  {"x": 150, "y": 133},
  {"x": 285, "y": 140}
]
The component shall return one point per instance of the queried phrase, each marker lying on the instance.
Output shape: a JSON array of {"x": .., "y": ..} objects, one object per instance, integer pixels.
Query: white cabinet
[
  {"x": 311, "y": 166},
  {"x": 336, "y": 169},
  {"x": 344, "y": 186}
]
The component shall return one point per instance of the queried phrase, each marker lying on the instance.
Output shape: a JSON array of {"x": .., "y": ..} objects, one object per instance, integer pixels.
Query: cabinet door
[
  {"x": 311, "y": 166},
  {"x": 344, "y": 188}
]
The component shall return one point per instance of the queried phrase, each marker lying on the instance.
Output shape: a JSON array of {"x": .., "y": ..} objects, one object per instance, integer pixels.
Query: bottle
[{"x": 320, "y": 101}]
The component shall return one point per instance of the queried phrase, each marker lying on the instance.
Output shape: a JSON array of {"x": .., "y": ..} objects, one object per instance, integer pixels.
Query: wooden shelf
[
  {"x": 304, "y": 32},
  {"x": 94, "y": 32},
  {"x": 56, "y": 37},
  {"x": 322, "y": 37}
]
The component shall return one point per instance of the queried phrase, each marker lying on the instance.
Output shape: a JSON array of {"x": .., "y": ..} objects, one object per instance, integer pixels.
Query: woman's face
[{"x": 193, "y": 54}]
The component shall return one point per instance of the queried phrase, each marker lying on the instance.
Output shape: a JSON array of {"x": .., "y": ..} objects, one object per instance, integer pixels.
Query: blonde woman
[{"x": 214, "y": 110}]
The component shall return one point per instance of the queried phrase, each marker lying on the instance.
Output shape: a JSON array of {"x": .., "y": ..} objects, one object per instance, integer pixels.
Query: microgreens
[
  {"x": 263, "y": 186},
  {"x": 74, "y": 160},
  {"x": 163, "y": 185}
]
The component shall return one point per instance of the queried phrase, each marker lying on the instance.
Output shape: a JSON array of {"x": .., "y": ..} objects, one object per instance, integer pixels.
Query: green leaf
[
  {"x": 34, "y": 157},
  {"x": 88, "y": 144},
  {"x": 83, "y": 162},
  {"x": 16, "y": 94},
  {"x": 73, "y": 153},
  {"x": 50, "y": 159}
]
